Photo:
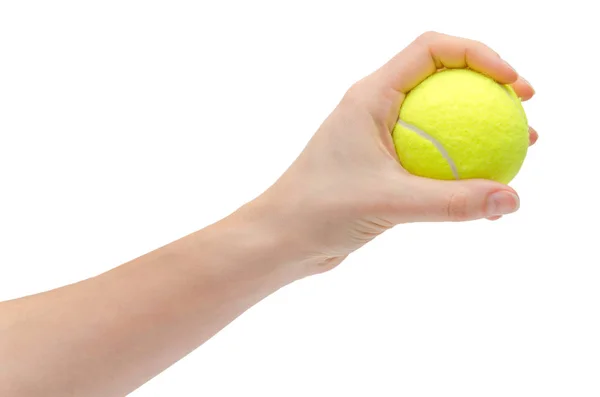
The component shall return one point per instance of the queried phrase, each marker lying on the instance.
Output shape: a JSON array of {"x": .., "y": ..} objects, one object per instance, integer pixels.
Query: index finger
[{"x": 433, "y": 51}]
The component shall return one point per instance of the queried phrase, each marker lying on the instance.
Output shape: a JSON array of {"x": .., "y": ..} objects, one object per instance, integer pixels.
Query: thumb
[{"x": 429, "y": 200}]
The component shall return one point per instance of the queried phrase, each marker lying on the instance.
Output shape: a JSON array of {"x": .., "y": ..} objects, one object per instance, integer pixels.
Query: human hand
[{"x": 348, "y": 186}]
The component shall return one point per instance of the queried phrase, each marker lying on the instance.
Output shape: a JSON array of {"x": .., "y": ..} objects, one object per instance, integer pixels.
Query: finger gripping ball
[{"x": 460, "y": 124}]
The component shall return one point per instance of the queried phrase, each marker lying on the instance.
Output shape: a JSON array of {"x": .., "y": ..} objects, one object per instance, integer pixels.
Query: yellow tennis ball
[{"x": 460, "y": 124}]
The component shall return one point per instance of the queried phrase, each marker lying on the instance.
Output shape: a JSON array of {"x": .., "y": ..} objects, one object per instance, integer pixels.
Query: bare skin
[{"x": 107, "y": 335}]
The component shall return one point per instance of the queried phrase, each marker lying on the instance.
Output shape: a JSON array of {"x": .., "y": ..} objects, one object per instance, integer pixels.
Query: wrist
[{"x": 257, "y": 242}]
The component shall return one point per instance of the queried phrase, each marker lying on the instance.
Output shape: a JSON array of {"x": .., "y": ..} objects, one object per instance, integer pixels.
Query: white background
[{"x": 125, "y": 125}]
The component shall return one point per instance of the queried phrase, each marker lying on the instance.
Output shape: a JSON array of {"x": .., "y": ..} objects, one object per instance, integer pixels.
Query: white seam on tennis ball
[{"x": 434, "y": 141}]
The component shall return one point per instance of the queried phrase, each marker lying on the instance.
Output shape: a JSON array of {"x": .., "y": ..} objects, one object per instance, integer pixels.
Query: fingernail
[{"x": 501, "y": 203}]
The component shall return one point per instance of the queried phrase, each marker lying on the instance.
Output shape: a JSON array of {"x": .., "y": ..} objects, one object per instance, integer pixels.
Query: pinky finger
[{"x": 533, "y": 136}]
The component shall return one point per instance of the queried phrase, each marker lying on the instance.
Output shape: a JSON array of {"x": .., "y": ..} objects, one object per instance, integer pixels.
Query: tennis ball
[{"x": 461, "y": 124}]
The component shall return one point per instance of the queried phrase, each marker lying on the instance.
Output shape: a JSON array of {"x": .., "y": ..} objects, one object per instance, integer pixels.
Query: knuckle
[
  {"x": 356, "y": 95},
  {"x": 353, "y": 93},
  {"x": 428, "y": 36},
  {"x": 356, "y": 90},
  {"x": 458, "y": 207}
]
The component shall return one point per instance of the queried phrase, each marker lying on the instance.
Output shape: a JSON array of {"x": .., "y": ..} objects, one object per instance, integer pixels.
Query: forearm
[{"x": 107, "y": 335}]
